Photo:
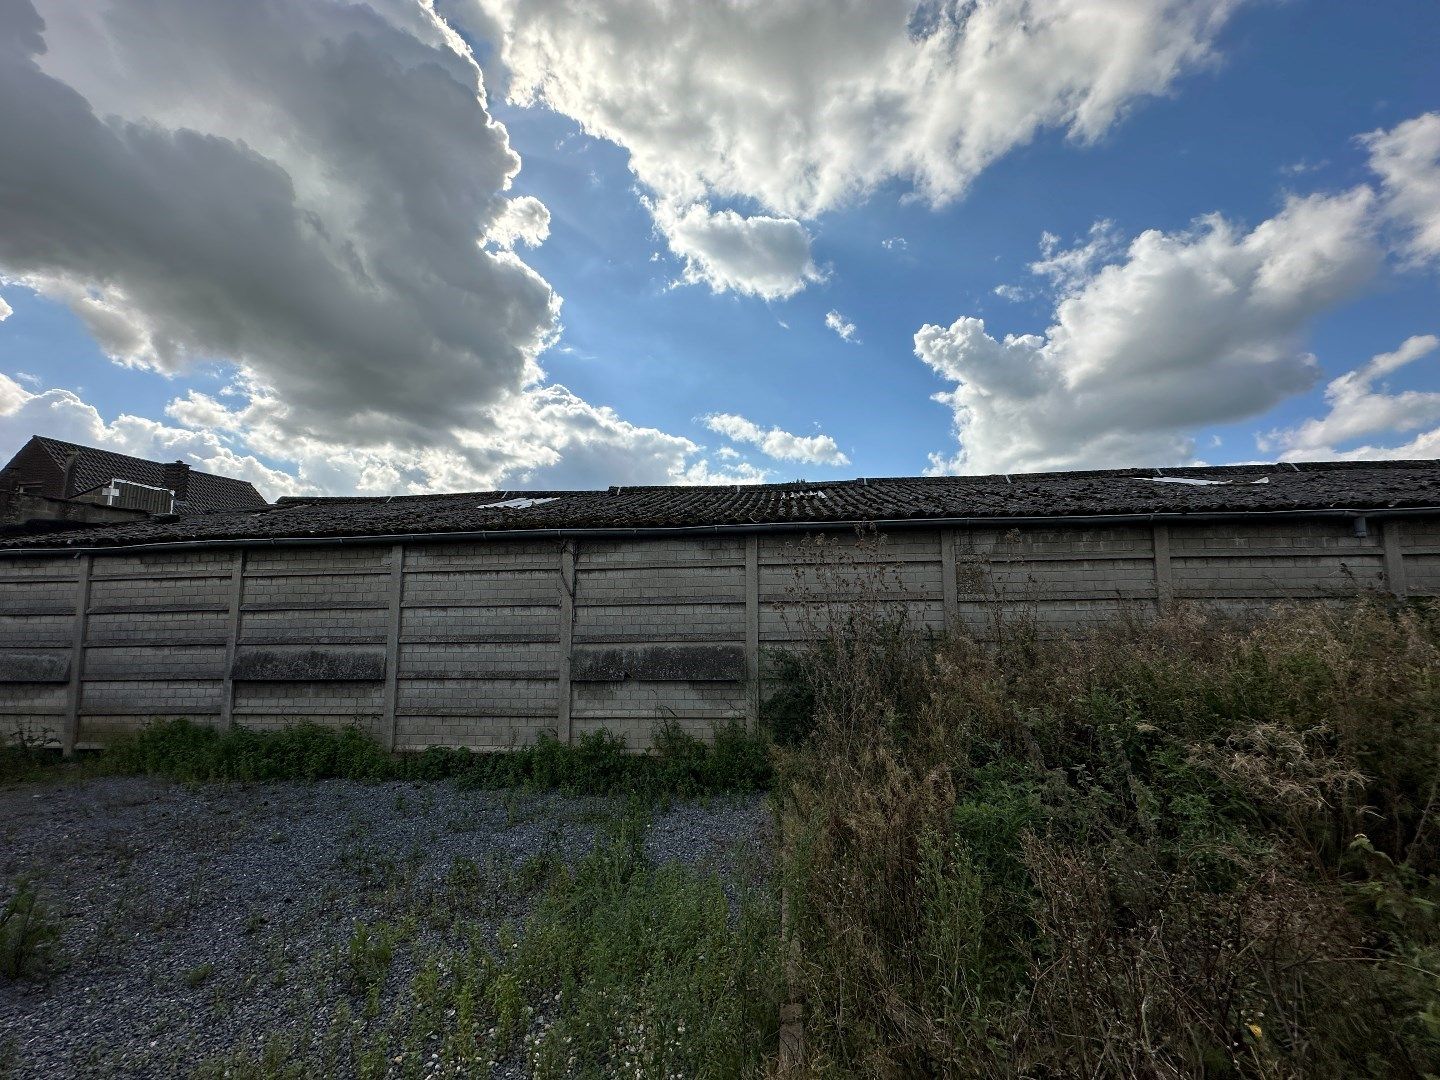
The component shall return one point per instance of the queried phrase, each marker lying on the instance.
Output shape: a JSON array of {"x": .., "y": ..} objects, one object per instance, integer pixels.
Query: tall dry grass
[{"x": 1174, "y": 847}]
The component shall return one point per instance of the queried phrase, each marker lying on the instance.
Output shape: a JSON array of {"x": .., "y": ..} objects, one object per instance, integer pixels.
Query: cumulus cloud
[
  {"x": 1358, "y": 408},
  {"x": 1407, "y": 159},
  {"x": 804, "y": 105},
  {"x": 5, "y": 310},
  {"x": 323, "y": 235},
  {"x": 842, "y": 326},
  {"x": 317, "y": 194},
  {"x": 776, "y": 442},
  {"x": 761, "y": 256},
  {"x": 1185, "y": 329},
  {"x": 894, "y": 243}
]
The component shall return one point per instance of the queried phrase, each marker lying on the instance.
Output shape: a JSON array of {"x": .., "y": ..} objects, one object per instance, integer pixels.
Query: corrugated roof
[
  {"x": 205, "y": 491},
  {"x": 1285, "y": 487}
]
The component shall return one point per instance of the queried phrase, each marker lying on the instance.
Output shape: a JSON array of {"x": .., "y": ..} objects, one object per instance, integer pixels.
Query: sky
[{"x": 398, "y": 246}]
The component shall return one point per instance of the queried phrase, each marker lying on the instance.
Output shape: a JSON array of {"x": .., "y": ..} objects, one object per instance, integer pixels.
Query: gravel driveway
[{"x": 193, "y": 919}]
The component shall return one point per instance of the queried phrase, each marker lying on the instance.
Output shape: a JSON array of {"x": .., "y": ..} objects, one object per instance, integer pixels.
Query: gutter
[{"x": 1357, "y": 515}]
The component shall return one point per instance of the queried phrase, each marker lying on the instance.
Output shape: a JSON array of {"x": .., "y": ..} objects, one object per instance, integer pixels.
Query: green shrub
[
  {"x": 597, "y": 763},
  {"x": 29, "y": 936}
]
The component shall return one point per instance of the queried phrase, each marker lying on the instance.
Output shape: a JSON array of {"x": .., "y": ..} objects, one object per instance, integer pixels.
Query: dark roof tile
[{"x": 1321, "y": 486}]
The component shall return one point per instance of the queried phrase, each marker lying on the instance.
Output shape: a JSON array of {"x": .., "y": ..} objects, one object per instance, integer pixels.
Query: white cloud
[
  {"x": 842, "y": 326},
  {"x": 1012, "y": 293},
  {"x": 1069, "y": 269},
  {"x": 1358, "y": 409},
  {"x": 297, "y": 188},
  {"x": 5, "y": 310},
  {"x": 805, "y": 105},
  {"x": 1187, "y": 329},
  {"x": 524, "y": 220},
  {"x": 777, "y": 443},
  {"x": 316, "y": 193},
  {"x": 762, "y": 256},
  {"x": 894, "y": 243},
  {"x": 1407, "y": 158}
]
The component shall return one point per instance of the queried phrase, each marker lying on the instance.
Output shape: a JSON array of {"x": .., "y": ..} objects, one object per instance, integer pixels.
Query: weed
[
  {"x": 367, "y": 958},
  {"x": 29, "y": 936},
  {"x": 598, "y": 762},
  {"x": 1187, "y": 846},
  {"x": 198, "y": 975}
]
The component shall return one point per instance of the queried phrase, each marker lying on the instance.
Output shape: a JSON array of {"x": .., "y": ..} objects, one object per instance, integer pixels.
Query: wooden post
[
  {"x": 565, "y": 727},
  {"x": 1394, "y": 557},
  {"x": 392, "y": 643},
  {"x": 1164, "y": 583},
  {"x": 752, "y": 631},
  {"x": 232, "y": 641},
  {"x": 949, "y": 587},
  {"x": 71, "y": 734}
]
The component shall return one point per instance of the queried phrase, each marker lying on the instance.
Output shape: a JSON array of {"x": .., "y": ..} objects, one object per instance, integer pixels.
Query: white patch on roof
[
  {"x": 804, "y": 495},
  {"x": 514, "y": 504},
  {"x": 1194, "y": 481}
]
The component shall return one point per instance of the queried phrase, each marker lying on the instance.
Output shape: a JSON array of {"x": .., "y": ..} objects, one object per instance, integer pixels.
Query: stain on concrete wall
[
  {"x": 658, "y": 663},
  {"x": 34, "y": 667},
  {"x": 309, "y": 665}
]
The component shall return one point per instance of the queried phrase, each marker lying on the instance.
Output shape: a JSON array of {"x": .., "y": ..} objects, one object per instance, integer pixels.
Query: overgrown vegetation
[
  {"x": 29, "y": 935},
  {"x": 1172, "y": 848},
  {"x": 620, "y": 968},
  {"x": 598, "y": 763}
]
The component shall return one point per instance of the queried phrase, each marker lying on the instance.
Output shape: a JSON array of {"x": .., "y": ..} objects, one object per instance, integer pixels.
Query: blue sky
[{"x": 1266, "y": 104}]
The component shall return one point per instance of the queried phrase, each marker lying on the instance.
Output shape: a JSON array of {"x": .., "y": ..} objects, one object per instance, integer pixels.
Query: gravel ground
[{"x": 151, "y": 881}]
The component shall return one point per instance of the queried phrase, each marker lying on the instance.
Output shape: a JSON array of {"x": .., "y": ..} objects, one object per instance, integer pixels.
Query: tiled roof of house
[
  {"x": 1359, "y": 486},
  {"x": 205, "y": 492}
]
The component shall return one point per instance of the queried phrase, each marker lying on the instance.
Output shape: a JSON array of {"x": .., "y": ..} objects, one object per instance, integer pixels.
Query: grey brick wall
[{"x": 473, "y": 635}]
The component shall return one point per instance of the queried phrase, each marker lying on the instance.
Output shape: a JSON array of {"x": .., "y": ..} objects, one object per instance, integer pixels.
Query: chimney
[
  {"x": 67, "y": 479},
  {"x": 176, "y": 477}
]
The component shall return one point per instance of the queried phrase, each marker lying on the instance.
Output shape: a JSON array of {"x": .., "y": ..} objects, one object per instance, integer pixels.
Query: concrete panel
[
  {"x": 530, "y": 698},
  {"x": 320, "y": 626},
  {"x": 144, "y": 662},
  {"x": 158, "y": 628},
  {"x": 519, "y": 587},
  {"x": 660, "y": 623},
  {"x": 35, "y": 631},
  {"x": 478, "y": 660},
  {"x": 150, "y": 697}
]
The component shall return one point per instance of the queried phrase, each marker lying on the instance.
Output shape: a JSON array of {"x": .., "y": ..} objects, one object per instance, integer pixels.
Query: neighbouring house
[
  {"x": 51, "y": 484},
  {"x": 483, "y": 619}
]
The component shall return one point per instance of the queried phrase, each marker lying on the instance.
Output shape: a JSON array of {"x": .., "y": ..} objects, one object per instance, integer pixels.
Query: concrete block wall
[{"x": 488, "y": 644}]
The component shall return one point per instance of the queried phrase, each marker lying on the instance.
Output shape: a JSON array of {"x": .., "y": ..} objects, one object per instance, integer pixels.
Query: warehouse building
[{"x": 484, "y": 619}]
